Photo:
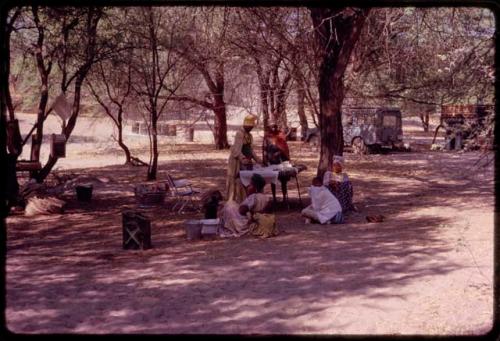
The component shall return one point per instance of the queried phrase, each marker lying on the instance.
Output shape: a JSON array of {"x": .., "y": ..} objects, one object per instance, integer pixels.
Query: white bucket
[
  {"x": 193, "y": 229},
  {"x": 210, "y": 226}
]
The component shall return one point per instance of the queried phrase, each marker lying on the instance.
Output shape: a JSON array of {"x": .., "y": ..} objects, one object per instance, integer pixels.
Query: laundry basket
[
  {"x": 210, "y": 227},
  {"x": 149, "y": 194},
  {"x": 193, "y": 229}
]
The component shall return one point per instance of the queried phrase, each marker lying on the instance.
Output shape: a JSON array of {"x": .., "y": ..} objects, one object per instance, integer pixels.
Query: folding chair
[{"x": 182, "y": 192}]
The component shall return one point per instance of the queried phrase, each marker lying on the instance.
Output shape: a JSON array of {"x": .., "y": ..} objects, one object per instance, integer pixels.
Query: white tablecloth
[{"x": 269, "y": 173}]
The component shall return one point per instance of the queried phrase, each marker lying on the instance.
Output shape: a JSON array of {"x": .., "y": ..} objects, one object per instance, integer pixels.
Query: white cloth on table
[
  {"x": 324, "y": 206},
  {"x": 269, "y": 173}
]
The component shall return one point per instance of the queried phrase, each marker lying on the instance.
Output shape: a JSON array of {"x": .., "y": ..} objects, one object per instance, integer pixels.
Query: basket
[
  {"x": 84, "y": 192},
  {"x": 147, "y": 195},
  {"x": 209, "y": 227},
  {"x": 193, "y": 229},
  {"x": 150, "y": 198}
]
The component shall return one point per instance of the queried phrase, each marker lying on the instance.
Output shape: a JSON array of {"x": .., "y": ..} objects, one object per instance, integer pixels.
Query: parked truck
[
  {"x": 368, "y": 129},
  {"x": 465, "y": 124}
]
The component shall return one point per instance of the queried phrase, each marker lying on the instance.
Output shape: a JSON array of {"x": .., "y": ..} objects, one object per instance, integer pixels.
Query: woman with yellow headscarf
[{"x": 240, "y": 156}]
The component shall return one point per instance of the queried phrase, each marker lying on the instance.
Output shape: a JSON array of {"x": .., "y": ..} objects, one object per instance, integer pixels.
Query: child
[
  {"x": 210, "y": 201},
  {"x": 339, "y": 184},
  {"x": 324, "y": 208},
  {"x": 252, "y": 215}
]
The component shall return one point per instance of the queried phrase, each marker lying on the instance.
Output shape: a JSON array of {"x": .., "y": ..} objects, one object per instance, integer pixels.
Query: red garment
[
  {"x": 282, "y": 145},
  {"x": 279, "y": 140}
]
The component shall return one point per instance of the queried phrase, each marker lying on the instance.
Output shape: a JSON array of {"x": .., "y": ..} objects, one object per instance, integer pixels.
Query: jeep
[{"x": 367, "y": 129}]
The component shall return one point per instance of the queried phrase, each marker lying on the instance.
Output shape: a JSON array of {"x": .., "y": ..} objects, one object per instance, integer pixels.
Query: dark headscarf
[{"x": 258, "y": 182}]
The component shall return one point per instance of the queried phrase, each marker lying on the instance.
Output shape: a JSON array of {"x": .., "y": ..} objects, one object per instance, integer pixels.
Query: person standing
[
  {"x": 274, "y": 147},
  {"x": 275, "y": 151},
  {"x": 241, "y": 155}
]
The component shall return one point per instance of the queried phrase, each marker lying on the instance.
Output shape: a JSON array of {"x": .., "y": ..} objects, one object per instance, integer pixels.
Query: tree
[
  {"x": 206, "y": 48},
  {"x": 86, "y": 52},
  {"x": 279, "y": 44},
  {"x": 158, "y": 72},
  {"x": 258, "y": 38},
  {"x": 111, "y": 84},
  {"x": 8, "y": 182},
  {"x": 14, "y": 139},
  {"x": 9, "y": 27},
  {"x": 336, "y": 32},
  {"x": 53, "y": 37},
  {"x": 420, "y": 58}
]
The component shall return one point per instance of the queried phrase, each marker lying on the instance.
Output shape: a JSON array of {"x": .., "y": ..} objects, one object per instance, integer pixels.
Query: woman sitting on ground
[
  {"x": 324, "y": 208},
  {"x": 339, "y": 184},
  {"x": 253, "y": 215}
]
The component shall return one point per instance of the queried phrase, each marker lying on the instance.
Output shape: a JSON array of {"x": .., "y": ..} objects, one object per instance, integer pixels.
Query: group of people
[
  {"x": 249, "y": 211},
  {"x": 242, "y": 155}
]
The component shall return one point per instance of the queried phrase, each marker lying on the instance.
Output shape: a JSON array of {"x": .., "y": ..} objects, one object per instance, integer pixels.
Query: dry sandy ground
[{"x": 427, "y": 269}]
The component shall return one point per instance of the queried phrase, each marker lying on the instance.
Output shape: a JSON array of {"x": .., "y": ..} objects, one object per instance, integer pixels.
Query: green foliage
[
  {"x": 409, "y": 57},
  {"x": 425, "y": 56}
]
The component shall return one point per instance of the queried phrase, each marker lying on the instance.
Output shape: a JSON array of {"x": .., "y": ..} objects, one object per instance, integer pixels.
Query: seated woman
[
  {"x": 339, "y": 184},
  {"x": 324, "y": 208},
  {"x": 253, "y": 215}
]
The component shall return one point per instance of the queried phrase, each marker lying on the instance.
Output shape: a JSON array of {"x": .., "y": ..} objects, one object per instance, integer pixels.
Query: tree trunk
[
  {"x": 301, "y": 94},
  {"x": 440, "y": 125},
  {"x": 263, "y": 78},
  {"x": 272, "y": 106},
  {"x": 220, "y": 122},
  {"x": 38, "y": 137},
  {"x": 424, "y": 118},
  {"x": 8, "y": 182},
  {"x": 7, "y": 189},
  {"x": 281, "y": 119},
  {"x": 8, "y": 98},
  {"x": 281, "y": 94},
  {"x": 153, "y": 165},
  {"x": 264, "y": 103},
  {"x": 332, "y": 139},
  {"x": 67, "y": 130},
  {"x": 42, "y": 107},
  {"x": 274, "y": 90},
  {"x": 336, "y": 33},
  {"x": 119, "y": 125},
  {"x": 313, "y": 109},
  {"x": 120, "y": 141},
  {"x": 43, "y": 72}
]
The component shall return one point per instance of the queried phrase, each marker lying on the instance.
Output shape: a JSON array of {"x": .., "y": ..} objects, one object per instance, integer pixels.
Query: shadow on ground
[{"x": 68, "y": 273}]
